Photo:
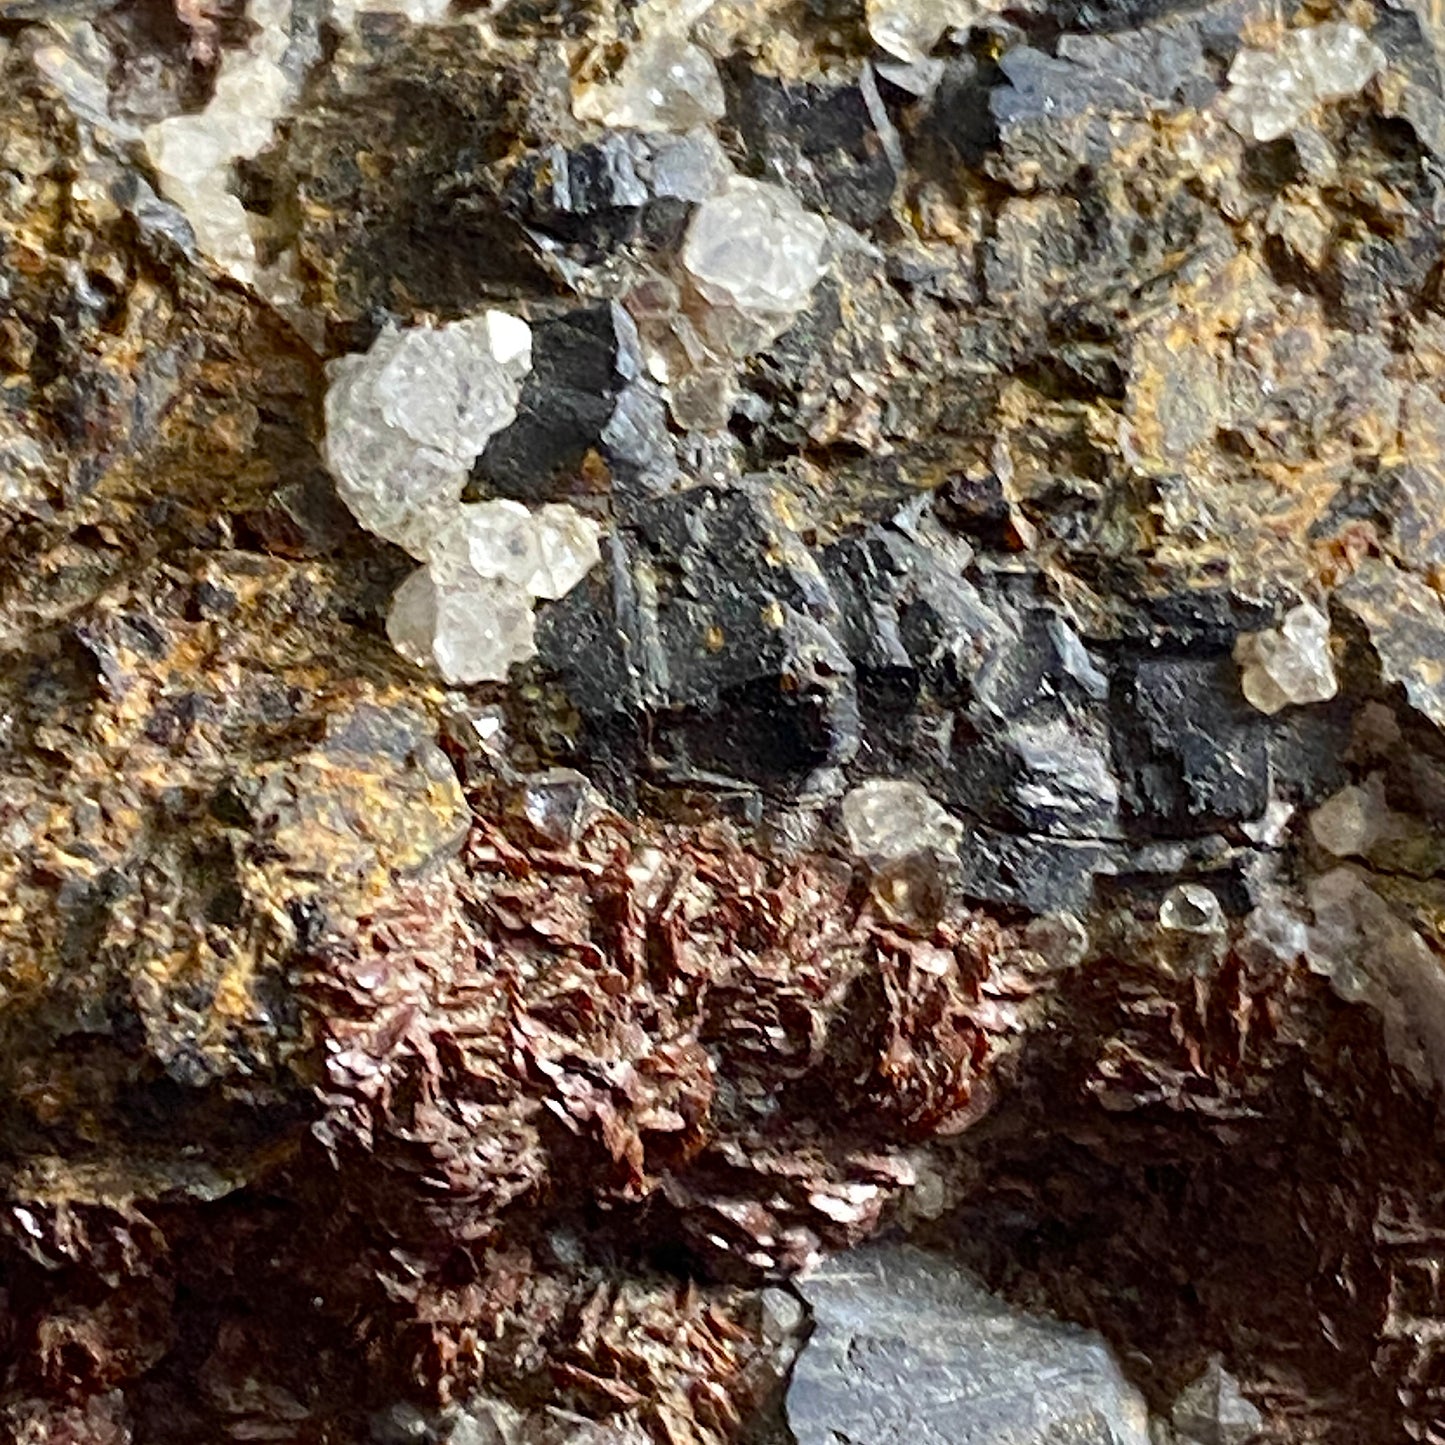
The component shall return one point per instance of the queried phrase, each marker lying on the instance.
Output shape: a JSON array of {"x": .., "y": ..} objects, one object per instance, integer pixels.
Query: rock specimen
[
  {"x": 406, "y": 421},
  {"x": 642, "y": 642}
]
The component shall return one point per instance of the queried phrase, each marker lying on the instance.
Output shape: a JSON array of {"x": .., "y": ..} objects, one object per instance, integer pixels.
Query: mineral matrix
[{"x": 722, "y": 720}]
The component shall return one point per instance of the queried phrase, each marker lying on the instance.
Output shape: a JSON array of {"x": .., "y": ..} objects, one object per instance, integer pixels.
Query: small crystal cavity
[
  {"x": 1290, "y": 664},
  {"x": 1272, "y": 91}
]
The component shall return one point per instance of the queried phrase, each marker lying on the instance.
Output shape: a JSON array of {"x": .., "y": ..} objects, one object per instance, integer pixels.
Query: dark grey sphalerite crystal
[{"x": 905, "y": 1346}]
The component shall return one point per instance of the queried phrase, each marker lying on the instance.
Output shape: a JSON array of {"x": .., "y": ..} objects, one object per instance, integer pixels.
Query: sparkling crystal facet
[
  {"x": 1290, "y": 664},
  {"x": 755, "y": 248}
]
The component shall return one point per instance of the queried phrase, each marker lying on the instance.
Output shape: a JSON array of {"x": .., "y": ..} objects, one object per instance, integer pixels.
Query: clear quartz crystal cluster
[
  {"x": 405, "y": 422},
  {"x": 1272, "y": 91},
  {"x": 194, "y": 154},
  {"x": 750, "y": 261},
  {"x": 1290, "y": 664}
]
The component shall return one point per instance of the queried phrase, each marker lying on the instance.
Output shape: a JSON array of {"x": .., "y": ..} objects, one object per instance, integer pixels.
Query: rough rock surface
[
  {"x": 904, "y": 1347},
  {"x": 639, "y": 641}
]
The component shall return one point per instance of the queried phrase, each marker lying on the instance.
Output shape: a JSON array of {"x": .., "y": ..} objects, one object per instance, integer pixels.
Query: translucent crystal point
[
  {"x": 755, "y": 247},
  {"x": 469, "y": 611},
  {"x": 395, "y": 488},
  {"x": 1290, "y": 664},
  {"x": 502, "y": 543},
  {"x": 411, "y": 624},
  {"x": 1191, "y": 908},
  {"x": 569, "y": 544}
]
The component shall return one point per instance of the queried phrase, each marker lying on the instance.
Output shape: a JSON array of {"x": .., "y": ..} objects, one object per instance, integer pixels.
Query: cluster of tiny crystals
[{"x": 405, "y": 422}]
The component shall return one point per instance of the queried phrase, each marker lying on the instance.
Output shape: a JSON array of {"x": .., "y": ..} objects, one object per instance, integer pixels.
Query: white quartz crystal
[
  {"x": 1371, "y": 954},
  {"x": 756, "y": 249},
  {"x": 481, "y": 630},
  {"x": 496, "y": 541},
  {"x": 909, "y": 29},
  {"x": 411, "y": 624},
  {"x": 1191, "y": 908},
  {"x": 568, "y": 543},
  {"x": 665, "y": 83},
  {"x": 546, "y": 553},
  {"x": 406, "y": 421},
  {"x": 469, "y": 611},
  {"x": 887, "y": 820},
  {"x": 1290, "y": 664},
  {"x": 404, "y": 424},
  {"x": 1352, "y": 821},
  {"x": 470, "y": 632},
  {"x": 1272, "y": 91},
  {"x": 194, "y": 154},
  {"x": 453, "y": 388}
]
